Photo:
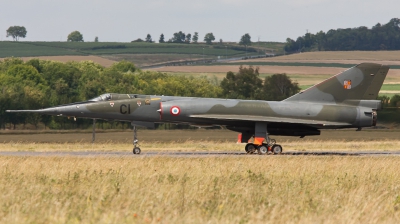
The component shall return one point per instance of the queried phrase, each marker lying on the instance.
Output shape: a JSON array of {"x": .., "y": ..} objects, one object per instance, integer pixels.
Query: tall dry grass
[
  {"x": 189, "y": 190},
  {"x": 197, "y": 145}
]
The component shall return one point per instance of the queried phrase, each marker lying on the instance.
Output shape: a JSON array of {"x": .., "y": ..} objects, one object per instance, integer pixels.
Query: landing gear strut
[{"x": 136, "y": 149}]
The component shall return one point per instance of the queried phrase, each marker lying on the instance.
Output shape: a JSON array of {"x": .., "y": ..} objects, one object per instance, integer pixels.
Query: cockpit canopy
[
  {"x": 103, "y": 97},
  {"x": 115, "y": 96}
]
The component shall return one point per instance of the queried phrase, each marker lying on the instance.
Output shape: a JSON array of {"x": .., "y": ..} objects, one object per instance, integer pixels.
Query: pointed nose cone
[{"x": 68, "y": 110}]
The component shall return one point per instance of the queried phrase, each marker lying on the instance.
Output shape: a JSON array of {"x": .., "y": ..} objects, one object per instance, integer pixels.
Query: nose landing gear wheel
[
  {"x": 136, "y": 150},
  {"x": 250, "y": 148},
  {"x": 277, "y": 149}
]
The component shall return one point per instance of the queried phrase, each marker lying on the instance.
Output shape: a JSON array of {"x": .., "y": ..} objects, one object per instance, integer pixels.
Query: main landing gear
[
  {"x": 265, "y": 148},
  {"x": 261, "y": 135},
  {"x": 136, "y": 149}
]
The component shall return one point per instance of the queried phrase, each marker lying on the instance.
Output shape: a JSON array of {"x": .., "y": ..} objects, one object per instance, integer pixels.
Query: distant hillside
[{"x": 32, "y": 49}]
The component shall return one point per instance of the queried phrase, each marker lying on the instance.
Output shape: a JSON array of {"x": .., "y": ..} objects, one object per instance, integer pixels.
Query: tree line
[
  {"x": 182, "y": 38},
  {"x": 36, "y": 84},
  {"x": 379, "y": 37},
  {"x": 17, "y": 32}
]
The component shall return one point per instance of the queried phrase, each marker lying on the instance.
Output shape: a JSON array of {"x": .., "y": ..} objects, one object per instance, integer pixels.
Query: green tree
[
  {"x": 178, "y": 37},
  {"x": 384, "y": 99},
  {"x": 245, "y": 40},
  {"x": 96, "y": 39},
  {"x": 148, "y": 39},
  {"x": 41, "y": 83},
  {"x": 279, "y": 87},
  {"x": 395, "y": 101},
  {"x": 290, "y": 45},
  {"x": 8, "y": 62},
  {"x": 63, "y": 80},
  {"x": 161, "y": 40},
  {"x": 137, "y": 40},
  {"x": 188, "y": 38},
  {"x": 379, "y": 37},
  {"x": 123, "y": 66},
  {"x": 25, "y": 89},
  {"x": 195, "y": 37},
  {"x": 245, "y": 84},
  {"x": 16, "y": 32},
  {"x": 209, "y": 38},
  {"x": 75, "y": 36}
]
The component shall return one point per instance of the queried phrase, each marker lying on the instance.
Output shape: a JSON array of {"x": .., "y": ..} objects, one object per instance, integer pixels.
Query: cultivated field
[
  {"x": 151, "y": 59},
  {"x": 268, "y": 189},
  {"x": 34, "y": 49},
  {"x": 304, "y": 75},
  {"x": 263, "y": 69},
  {"x": 306, "y": 69},
  {"x": 345, "y": 57}
]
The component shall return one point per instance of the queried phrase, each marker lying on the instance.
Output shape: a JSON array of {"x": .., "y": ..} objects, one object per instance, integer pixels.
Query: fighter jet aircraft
[{"x": 346, "y": 100}]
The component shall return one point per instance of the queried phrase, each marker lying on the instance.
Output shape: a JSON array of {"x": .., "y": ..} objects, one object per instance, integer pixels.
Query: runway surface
[{"x": 191, "y": 154}]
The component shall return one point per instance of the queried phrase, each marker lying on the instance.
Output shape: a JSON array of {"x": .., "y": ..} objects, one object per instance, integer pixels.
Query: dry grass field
[
  {"x": 162, "y": 189},
  {"x": 196, "y": 140},
  {"x": 205, "y": 146},
  {"x": 382, "y": 133},
  {"x": 266, "y": 189}
]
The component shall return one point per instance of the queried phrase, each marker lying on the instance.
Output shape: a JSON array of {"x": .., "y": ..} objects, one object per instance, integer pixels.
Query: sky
[{"x": 127, "y": 20}]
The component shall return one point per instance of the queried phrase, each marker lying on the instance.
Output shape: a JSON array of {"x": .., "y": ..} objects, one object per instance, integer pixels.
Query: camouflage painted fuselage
[{"x": 347, "y": 100}]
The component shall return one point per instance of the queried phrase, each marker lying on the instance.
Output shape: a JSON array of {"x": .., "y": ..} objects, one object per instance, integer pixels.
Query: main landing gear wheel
[
  {"x": 262, "y": 149},
  {"x": 136, "y": 150},
  {"x": 277, "y": 149},
  {"x": 250, "y": 148}
]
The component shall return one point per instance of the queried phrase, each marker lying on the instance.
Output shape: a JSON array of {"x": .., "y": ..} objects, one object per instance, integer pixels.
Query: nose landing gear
[{"x": 136, "y": 149}]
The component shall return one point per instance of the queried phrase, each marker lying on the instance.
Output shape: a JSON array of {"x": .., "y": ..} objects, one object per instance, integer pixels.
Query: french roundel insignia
[{"x": 175, "y": 110}]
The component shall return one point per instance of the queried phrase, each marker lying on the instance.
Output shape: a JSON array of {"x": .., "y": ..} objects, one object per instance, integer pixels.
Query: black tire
[
  {"x": 277, "y": 149},
  {"x": 262, "y": 149},
  {"x": 250, "y": 148},
  {"x": 136, "y": 150}
]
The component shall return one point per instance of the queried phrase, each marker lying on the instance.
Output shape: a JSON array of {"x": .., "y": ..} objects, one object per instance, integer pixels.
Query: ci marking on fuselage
[{"x": 123, "y": 109}]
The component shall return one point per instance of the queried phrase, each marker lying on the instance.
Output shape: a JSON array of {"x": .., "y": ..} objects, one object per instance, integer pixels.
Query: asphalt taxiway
[{"x": 195, "y": 154}]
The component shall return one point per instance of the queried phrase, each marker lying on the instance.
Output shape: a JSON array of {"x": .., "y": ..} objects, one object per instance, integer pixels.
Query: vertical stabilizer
[{"x": 361, "y": 82}]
